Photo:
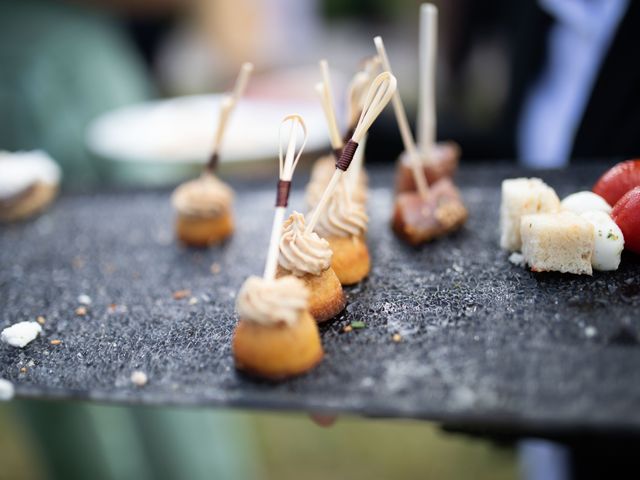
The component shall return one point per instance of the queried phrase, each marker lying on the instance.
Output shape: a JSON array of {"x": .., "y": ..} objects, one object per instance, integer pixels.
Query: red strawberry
[
  {"x": 618, "y": 180},
  {"x": 626, "y": 213}
]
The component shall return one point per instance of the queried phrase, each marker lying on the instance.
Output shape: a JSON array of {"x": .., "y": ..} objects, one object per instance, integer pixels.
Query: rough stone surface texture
[{"x": 483, "y": 342}]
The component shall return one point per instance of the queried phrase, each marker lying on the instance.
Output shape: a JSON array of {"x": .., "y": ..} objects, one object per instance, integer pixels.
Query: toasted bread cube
[
  {"x": 561, "y": 242},
  {"x": 522, "y": 196}
]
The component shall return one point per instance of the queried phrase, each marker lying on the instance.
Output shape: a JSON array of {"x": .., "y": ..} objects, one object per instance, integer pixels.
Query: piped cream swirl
[
  {"x": 300, "y": 252},
  {"x": 342, "y": 217},
  {"x": 205, "y": 196},
  {"x": 269, "y": 302}
]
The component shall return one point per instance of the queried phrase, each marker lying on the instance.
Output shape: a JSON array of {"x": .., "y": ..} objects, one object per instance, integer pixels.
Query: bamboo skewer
[
  {"x": 326, "y": 98},
  {"x": 403, "y": 125},
  {"x": 287, "y": 163},
  {"x": 426, "y": 130},
  {"x": 357, "y": 91},
  {"x": 330, "y": 116},
  {"x": 382, "y": 89},
  {"x": 228, "y": 103}
]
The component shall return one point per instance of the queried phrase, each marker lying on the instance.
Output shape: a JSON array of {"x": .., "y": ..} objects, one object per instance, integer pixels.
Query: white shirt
[{"x": 554, "y": 106}]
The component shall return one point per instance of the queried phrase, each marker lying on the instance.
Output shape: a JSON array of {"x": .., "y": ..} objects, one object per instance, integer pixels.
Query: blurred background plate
[{"x": 160, "y": 142}]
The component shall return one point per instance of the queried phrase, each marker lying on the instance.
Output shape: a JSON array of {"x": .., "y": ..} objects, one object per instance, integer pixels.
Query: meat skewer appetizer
[
  {"x": 276, "y": 336},
  {"x": 438, "y": 160},
  {"x": 431, "y": 211},
  {"x": 203, "y": 205}
]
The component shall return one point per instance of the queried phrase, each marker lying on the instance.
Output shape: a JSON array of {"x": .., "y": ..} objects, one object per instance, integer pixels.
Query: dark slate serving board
[{"x": 484, "y": 343}]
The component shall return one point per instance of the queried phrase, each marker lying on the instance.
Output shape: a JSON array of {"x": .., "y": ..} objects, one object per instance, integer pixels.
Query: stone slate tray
[{"x": 484, "y": 343}]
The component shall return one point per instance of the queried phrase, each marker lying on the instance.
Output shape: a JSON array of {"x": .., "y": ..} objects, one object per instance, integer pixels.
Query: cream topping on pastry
[
  {"x": 342, "y": 217},
  {"x": 300, "y": 252},
  {"x": 269, "y": 302},
  {"x": 323, "y": 169},
  {"x": 205, "y": 196},
  {"x": 316, "y": 188},
  {"x": 21, "y": 170}
]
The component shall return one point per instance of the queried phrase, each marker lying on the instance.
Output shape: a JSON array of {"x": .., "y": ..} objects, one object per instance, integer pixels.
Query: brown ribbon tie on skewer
[
  {"x": 282, "y": 195},
  {"x": 348, "y": 151}
]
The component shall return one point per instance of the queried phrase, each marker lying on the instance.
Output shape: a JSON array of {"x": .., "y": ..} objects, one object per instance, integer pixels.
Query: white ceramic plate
[{"x": 180, "y": 131}]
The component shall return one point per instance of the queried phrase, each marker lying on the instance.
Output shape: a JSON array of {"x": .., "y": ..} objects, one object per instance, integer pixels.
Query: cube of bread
[
  {"x": 561, "y": 242},
  {"x": 522, "y": 196}
]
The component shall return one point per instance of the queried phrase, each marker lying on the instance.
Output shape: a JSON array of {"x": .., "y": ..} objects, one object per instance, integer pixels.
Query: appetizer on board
[
  {"x": 342, "y": 219},
  {"x": 29, "y": 182},
  {"x": 203, "y": 205},
  {"x": 581, "y": 233},
  {"x": 437, "y": 160},
  {"x": 618, "y": 180},
  {"x": 430, "y": 211},
  {"x": 626, "y": 214},
  {"x": 344, "y": 225},
  {"x": 523, "y": 196},
  {"x": 324, "y": 167},
  {"x": 276, "y": 336},
  {"x": 561, "y": 242},
  {"x": 307, "y": 256}
]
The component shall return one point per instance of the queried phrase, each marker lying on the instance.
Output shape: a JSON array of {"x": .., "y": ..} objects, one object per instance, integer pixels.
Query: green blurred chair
[{"x": 62, "y": 65}]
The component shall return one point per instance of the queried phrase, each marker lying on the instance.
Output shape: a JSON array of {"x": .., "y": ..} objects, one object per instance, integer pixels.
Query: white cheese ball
[
  {"x": 609, "y": 241},
  {"x": 586, "y": 201}
]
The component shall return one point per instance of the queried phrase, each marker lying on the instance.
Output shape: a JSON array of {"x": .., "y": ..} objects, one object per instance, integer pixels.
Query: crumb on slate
[
  {"x": 139, "y": 378},
  {"x": 55, "y": 342},
  {"x": 6, "y": 390},
  {"x": 81, "y": 311},
  {"x": 347, "y": 328},
  {"x": 181, "y": 294},
  {"x": 84, "y": 299},
  {"x": 40, "y": 319},
  {"x": 397, "y": 337}
]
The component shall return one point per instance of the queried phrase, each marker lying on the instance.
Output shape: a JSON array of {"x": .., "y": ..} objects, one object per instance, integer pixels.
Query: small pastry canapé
[
  {"x": 343, "y": 224},
  {"x": 443, "y": 164},
  {"x": 308, "y": 257},
  {"x": 203, "y": 208},
  {"x": 276, "y": 336},
  {"x": 28, "y": 184},
  {"x": 321, "y": 175}
]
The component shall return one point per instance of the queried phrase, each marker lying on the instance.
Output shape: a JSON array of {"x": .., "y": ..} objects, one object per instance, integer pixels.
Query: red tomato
[
  {"x": 626, "y": 213},
  {"x": 618, "y": 180}
]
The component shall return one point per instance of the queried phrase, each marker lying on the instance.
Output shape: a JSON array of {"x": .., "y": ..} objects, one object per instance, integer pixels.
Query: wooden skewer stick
[
  {"x": 328, "y": 106},
  {"x": 357, "y": 91},
  {"x": 229, "y": 101},
  {"x": 288, "y": 163},
  {"x": 427, "y": 107},
  {"x": 358, "y": 88},
  {"x": 382, "y": 89},
  {"x": 403, "y": 125},
  {"x": 330, "y": 116}
]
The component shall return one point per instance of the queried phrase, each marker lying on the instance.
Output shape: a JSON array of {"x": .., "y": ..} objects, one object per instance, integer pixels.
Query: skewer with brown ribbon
[
  {"x": 382, "y": 89},
  {"x": 228, "y": 103},
  {"x": 288, "y": 162}
]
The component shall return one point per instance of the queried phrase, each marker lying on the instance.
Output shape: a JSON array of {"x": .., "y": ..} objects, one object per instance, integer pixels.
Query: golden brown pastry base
[
  {"x": 350, "y": 260},
  {"x": 202, "y": 231},
  {"x": 27, "y": 203},
  {"x": 326, "y": 299},
  {"x": 444, "y": 165},
  {"x": 279, "y": 351},
  {"x": 417, "y": 220}
]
